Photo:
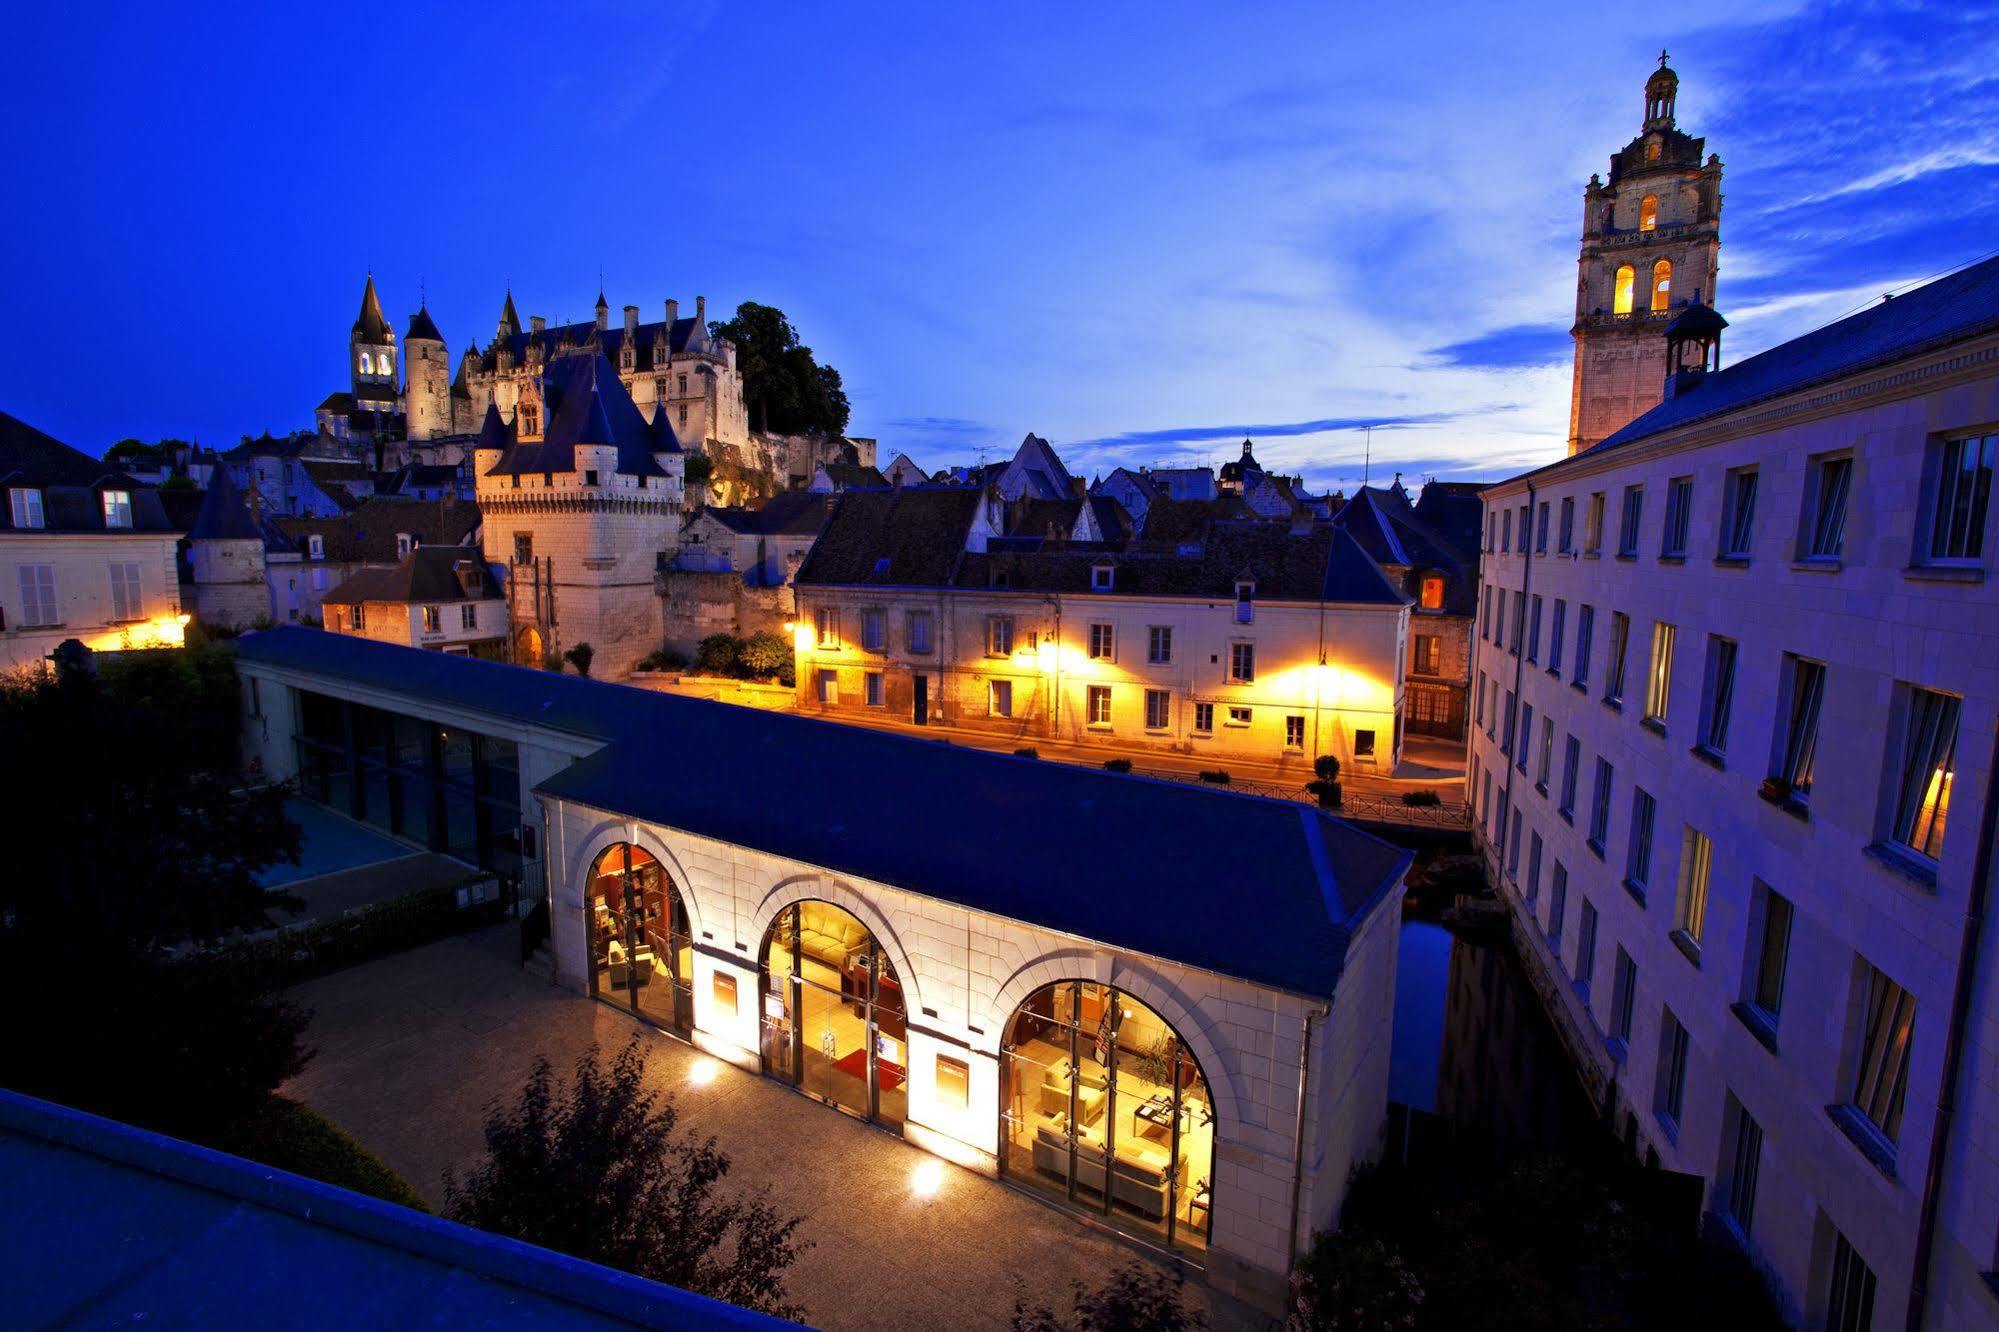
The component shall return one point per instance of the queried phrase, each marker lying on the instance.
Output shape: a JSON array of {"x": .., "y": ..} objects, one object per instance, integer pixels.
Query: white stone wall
[
  {"x": 1359, "y": 687},
  {"x": 82, "y": 562},
  {"x": 964, "y": 973},
  {"x": 1880, "y": 625}
]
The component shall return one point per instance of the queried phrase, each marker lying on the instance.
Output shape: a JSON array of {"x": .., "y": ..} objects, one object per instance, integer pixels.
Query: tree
[
  {"x": 718, "y": 654},
  {"x": 1326, "y": 786},
  {"x": 784, "y": 389},
  {"x": 140, "y": 837},
  {"x": 580, "y": 657},
  {"x": 598, "y": 1169},
  {"x": 1354, "y": 1284},
  {"x": 766, "y": 655},
  {"x": 1135, "y": 1298}
]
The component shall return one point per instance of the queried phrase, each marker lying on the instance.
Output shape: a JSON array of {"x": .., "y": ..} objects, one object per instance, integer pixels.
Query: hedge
[
  {"x": 295, "y": 1137},
  {"x": 395, "y": 926}
]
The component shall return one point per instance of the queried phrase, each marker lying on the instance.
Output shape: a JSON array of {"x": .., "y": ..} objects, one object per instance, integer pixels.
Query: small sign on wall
[
  {"x": 954, "y": 1081},
  {"x": 724, "y": 992}
]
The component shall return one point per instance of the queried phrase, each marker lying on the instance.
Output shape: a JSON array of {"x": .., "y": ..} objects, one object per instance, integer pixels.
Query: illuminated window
[
  {"x": 1648, "y": 212},
  {"x": 1100, "y": 705},
  {"x": 117, "y": 508},
  {"x": 367, "y": 364},
  {"x": 1652, "y": 151},
  {"x": 1432, "y": 596},
  {"x": 27, "y": 506},
  {"x": 1662, "y": 284},
  {"x": 1928, "y": 766},
  {"x": 828, "y": 624},
  {"x": 1621, "y": 298},
  {"x": 431, "y": 620}
]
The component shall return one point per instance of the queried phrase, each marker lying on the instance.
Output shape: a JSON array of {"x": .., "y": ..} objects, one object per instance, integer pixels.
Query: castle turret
[
  {"x": 372, "y": 349},
  {"x": 427, "y": 397}
]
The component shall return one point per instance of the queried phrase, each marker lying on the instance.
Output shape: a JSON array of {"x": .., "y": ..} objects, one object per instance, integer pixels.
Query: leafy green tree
[
  {"x": 766, "y": 654},
  {"x": 718, "y": 654},
  {"x": 1135, "y": 1298},
  {"x": 139, "y": 837},
  {"x": 598, "y": 1168},
  {"x": 784, "y": 388}
]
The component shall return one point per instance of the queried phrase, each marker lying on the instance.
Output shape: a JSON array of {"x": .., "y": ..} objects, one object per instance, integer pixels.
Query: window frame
[
  {"x": 1738, "y": 514},
  {"x": 1963, "y": 543},
  {"x": 1097, "y": 704},
  {"x": 1162, "y": 701},
  {"x": 1822, "y": 533},
  {"x": 1242, "y": 661},
  {"x": 1679, "y": 518}
]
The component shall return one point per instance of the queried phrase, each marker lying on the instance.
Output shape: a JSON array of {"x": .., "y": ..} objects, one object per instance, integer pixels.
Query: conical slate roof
[
  {"x": 372, "y": 325},
  {"x": 421, "y": 326},
  {"x": 224, "y": 516},
  {"x": 510, "y": 321},
  {"x": 588, "y": 405}
]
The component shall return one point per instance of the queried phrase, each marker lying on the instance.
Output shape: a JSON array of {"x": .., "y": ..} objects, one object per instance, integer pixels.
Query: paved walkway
[{"x": 413, "y": 1048}]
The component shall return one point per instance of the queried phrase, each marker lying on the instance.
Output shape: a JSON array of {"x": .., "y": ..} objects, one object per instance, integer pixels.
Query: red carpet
[{"x": 891, "y": 1075}]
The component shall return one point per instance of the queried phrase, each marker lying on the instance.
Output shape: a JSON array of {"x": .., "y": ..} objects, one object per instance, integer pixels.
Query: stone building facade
[
  {"x": 1244, "y": 640},
  {"x": 581, "y": 513},
  {"x": 1651, "y": 244},
  {"x": 1732, "y": 764},
  {"x": 925, "y": 1008}
]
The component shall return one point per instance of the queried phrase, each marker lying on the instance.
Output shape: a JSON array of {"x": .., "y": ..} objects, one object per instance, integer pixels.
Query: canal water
[{"x": 1474, "y": 1055}]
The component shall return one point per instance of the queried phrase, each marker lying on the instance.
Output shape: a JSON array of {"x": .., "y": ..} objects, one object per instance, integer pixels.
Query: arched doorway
[
  {"x": 641, "y": 949},
  {"x": 528, "y": 648},
  {"x": 835, "y": 1023},
  {"x": 1103, "y": 1107}
]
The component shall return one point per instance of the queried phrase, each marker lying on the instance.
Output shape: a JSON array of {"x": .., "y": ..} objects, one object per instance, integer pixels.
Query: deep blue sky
[{"x": 1139, "y": 231}]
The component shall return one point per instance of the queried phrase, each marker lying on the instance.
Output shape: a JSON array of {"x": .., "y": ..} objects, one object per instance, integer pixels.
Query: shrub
[
  {"x": 295, "y": 1137},
  {"x": 1219, "y": 776},
  {"x": 1135, "y": 1298},
  {"x": 1027, "y": 751},
  {"x": 580, "y": 657},
  {"x": 597, "y": 1168},
  {"x": 718, "y": 654},
  {"x": 1354, "y": 1283},
  {"x": 394, "y": 926},
  {"x": 699, "y": 468},
  {"x": 1422, "y": 798},
  {"x": 1326, "y": 786},
  {"x": 1327, "y": 767},
  {"x": 766, "y": 655},
  {"x": 662, "y": 659},
  {"x": 1117, "y": 765}
]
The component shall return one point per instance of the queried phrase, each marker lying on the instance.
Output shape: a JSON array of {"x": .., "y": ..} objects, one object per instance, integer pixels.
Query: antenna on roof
[{"x": 1367, "y": 456}]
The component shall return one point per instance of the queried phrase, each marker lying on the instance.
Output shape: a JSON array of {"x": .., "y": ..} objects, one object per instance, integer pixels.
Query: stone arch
[
  {"x": 815, "y": 886},
  {"x": 1623, "y": 289},
  {"x": 1156, "y": 992},
  {"x": 529, "y": 647},
  {"x": 1661, "y": 291},
  {"x": 609, "y": 832}
]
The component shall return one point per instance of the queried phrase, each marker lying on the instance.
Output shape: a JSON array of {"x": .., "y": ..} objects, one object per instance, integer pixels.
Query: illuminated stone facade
[{"x": 1651, "y": 243}]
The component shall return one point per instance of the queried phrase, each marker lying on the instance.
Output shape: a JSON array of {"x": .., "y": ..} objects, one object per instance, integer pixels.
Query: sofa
[
  {"x": 1055, "y": 1077},
  {"x": 1143, "y": 1176}
]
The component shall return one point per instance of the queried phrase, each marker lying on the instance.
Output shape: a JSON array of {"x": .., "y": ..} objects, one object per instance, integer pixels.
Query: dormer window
[
  {"x": 1430, "y": 593},
  {"x": 1101, "y": 577},
  {"x": 1245, "y": 601},
  {"x": 881, "y": 567},
  {"x": 405, "y": 543},
  {"x": 1000, "y": 578},
  {"x": 117, "y": 508},
  {"x": 315, "y": 547},
  {"x": 27, "y": 506}
]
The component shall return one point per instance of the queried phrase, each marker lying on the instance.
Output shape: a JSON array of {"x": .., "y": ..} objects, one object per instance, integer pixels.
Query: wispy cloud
[
  {"x": 1901, "y": 173},
  {"x": 1508, "y": 348},
  {"x": 1267, "y": 429}
]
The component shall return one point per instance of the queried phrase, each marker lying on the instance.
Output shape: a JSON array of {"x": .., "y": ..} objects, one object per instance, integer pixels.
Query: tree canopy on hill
[{"x": 785, "y": 390}]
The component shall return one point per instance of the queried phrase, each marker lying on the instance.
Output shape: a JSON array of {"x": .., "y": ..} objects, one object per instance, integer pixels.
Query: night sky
[{"x": 1142, "y": 232}]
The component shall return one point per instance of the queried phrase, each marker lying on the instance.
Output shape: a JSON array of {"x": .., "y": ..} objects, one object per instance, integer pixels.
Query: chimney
[
  {"x": 701, "y": 312},
  {"x": 672, "y": 313},
  {"x": 536, "y": 323},
  {"x": 631, "y": 320}
]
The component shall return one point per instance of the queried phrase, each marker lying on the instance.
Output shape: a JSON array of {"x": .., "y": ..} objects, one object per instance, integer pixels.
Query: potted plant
[
  {"x": 1776, "y": 789},
  {"x": 1327, "y": 785}
]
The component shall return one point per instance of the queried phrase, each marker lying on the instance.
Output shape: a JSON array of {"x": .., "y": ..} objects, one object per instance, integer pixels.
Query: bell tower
[
  {"x": 1651, "y": 245},
  {"x": 371, "y": 349}
]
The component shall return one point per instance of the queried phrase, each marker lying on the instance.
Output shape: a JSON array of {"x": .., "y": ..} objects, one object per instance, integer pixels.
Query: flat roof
[
  {"x": 107, "y": 1224},
  {"x": 1265, "y": 890}
]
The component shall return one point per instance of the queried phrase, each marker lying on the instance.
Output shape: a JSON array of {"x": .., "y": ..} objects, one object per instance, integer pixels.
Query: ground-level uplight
[
  {"x": 927, "y": 1178},
  {"x": 702, "y": 1071}
]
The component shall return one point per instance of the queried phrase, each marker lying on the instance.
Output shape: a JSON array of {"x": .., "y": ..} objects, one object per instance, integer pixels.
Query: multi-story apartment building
[
  {"x": 1736, "y": 690},
  {"x": 1242, "y": 639},
  {"x": 87, "y": 553}
]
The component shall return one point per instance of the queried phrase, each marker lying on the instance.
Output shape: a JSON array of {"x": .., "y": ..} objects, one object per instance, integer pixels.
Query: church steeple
[
  {"x": 510, "y": 323},
  {"x": 371, "y": 326},
  {"x": 1660, "y": 90},
  {"x": 1651, "y": 235}
]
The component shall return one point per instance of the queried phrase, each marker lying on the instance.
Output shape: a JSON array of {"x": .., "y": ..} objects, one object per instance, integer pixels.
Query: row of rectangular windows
[
  {"x": 1957, "y": 501},
  {"x": 1879, "y": 1039},
  {"x": 1003, "y": 640},
  {"x": 1916, "y": 818}
]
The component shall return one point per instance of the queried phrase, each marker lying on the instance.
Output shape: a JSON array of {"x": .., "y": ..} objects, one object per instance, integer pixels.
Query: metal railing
[{"x": 1361, "y": 807}]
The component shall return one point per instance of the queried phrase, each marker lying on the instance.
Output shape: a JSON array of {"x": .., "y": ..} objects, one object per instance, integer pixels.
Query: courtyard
[{"x": 412, "y": 1049}]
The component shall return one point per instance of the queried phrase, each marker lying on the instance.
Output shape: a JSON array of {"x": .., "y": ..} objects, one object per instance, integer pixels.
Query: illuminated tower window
[
  {"x": 1648, "y": 212},
  {"x": 1621, "y": 299},
  {"x": 1662, "y": 284}
]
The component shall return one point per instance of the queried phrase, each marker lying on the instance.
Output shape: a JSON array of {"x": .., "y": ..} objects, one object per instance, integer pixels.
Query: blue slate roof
[
  {"x": 588, "y": 404},
  {"x": 224, "y": 515},
  {"x": 1265, "y": 890},
  {"x": 1960, "y": 305},
  {"x": 109, "y": 1225}
]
